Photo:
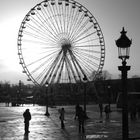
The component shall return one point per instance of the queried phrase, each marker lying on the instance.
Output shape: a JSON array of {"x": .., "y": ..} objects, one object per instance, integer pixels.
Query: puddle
[
  {"x": 113, "y": 121},
  {"x": 96, "y": 136},
  {"x": 103, "y": 132},
  {"x": 72, "y": 126}
]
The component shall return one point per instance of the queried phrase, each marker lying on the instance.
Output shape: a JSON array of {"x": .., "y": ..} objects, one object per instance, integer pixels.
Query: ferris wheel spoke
[
  {"x": 87, "y": 41},
  {"x": 49, "y": 46},
  {"x": 48, "y": 23},
  {"x": 52, "y": 66},
  {"x": 41, "y": 75},
  {"x": 58, "y": 67},
  {"x": 87, "y": 46},
  {"x": 52, "y": 74},
  {"x": 62, "y": 18},
  {"x": 68, "y": 71},
  {"x": 56, "y": 25},
  {"x": 64, "y": 12},
  {"x": 38, "y": 32},
  {"x": 84, "y": 37},
  {"x": 80, "y": 28},
  {"x": 71, "y": 23},
  {"x": 43, "y": 27},
  {"x": 52, "y": 19},
  {"x": 57, "y": 19},
  {"x": 44, "y": 20},
  {"x": 71, "y": 71},
  {"x": 36, "y": 61},
  {"x": 60, "y": 70},
  {"x": 86, "y": 68},
  {"x": 67, "y": 18},
  {"x": 83, "y": 57},
  {"x": 70, "y": 20},
  {"x": 86, "y": 54},
  {"x": 76, "y": 67},
  {"x": 77, "y": 63},
  {"x": 73, "y": 18},
  {"x": 34, "y": 36},
  {"x": 87, "y": 50},
  {"x": 39, "y": 67},
  {"x": 69, "y": 65},
  {"x": 77, "y": 24},
  {"x": 81, "y": 32}
]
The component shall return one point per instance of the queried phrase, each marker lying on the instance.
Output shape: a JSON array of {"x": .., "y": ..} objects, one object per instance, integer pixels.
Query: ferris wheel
[{"x": 60, "y": 41}]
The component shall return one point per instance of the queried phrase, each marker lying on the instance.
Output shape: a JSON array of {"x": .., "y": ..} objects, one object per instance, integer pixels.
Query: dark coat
[
  {"x": 27, "y": 116},
  {"x": 81, "y": 115}
]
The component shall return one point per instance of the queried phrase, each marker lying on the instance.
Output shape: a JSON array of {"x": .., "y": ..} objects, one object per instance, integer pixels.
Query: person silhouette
[
  {"x": 62, "y": 117},
  {"x": 81, "y": 119},
  {"x": 77, "y": 108},
  {"x": 107, "y": 111},
  {"x": 101, "y": 109},
  {"x": 27, "y": 118}
]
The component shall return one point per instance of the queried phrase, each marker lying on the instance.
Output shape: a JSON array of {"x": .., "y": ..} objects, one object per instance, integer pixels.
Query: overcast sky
[{"x": 111, "y": 15}]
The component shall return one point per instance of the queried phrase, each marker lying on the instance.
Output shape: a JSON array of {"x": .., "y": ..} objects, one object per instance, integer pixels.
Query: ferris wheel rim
[{"x": 21, "y": 58}]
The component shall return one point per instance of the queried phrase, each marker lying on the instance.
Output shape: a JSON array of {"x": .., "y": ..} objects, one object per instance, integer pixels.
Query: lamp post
[
  {"x": 85, "y": 92},
  {"x": 123, "y": 44},
  {"x": 18, "y": 94},
  {"x": 109, "y": 96},
  {"x": 47, "y": 112}
]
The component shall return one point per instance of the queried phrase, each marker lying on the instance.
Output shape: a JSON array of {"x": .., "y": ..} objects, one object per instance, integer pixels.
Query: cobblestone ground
[{"x": 48, "y": 128}]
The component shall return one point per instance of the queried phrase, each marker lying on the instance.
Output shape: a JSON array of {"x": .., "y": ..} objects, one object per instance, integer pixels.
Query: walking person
[
  {"x": 27, "y": 118},
  {"x": 62, "y": 117},
  {"x": 101, "y": 109},
  {"x": 138, "y": 110},
  {"x": 107, "y": 111},
  {"x": 81, "y": 119},
  {"x": 133, "y": 111},
  {"x": 77, "y": 107}
]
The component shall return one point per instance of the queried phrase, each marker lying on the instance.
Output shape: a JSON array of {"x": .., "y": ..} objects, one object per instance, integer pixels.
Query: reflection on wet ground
[
  {"x": 26, "y": 137},
  {"x": 96, "y": 136},
  {"x": 48, "y": 128}
]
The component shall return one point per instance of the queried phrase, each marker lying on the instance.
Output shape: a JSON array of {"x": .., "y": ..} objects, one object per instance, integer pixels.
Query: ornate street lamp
[
  {"x": 47, "y": 112},
  {"x": 109, "y": 96},
  {"x": 85, "y": 80},
  {"x": 123, "y": 44}
]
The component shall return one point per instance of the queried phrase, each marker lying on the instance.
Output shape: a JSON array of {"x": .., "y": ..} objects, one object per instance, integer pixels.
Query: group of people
[
  {"x": 134, "y": 110},
  {"x": 106, "y": 109},
  {"x": 80, "y": 115}
]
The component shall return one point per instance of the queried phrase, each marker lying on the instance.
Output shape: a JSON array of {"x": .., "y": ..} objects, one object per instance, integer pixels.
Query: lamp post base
[{"x": 47, "y": 114}]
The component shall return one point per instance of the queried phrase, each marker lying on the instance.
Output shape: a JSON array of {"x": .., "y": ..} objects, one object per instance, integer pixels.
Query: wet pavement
[{"x": 48, "y": 128}]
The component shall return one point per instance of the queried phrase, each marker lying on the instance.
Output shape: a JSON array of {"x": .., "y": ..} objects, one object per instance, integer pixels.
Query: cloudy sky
[{"x": 111, "y": 15}]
